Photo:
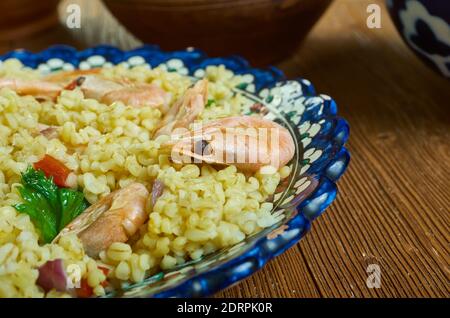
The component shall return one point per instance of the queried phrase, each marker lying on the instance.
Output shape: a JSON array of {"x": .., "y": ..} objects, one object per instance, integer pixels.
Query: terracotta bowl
[
  {"x": 23, "y": 18},
  {"x": 263, "y": 31}
]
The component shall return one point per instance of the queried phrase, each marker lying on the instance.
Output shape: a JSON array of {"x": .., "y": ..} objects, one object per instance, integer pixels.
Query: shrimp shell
[
  {"x": 39, "y": 89},
  {"x": 115, "y": 218},
  {"x": 229, "y": 138},
  {"x": 185, "y": 110}
]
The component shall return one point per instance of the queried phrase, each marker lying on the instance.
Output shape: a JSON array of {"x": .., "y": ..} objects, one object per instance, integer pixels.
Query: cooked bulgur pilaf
[{"x": 103, "y": 143}]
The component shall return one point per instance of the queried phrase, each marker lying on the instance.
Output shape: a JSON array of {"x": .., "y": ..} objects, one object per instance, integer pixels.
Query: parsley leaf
[
  {"x": 210, "y": 102},
  {"x": 37, "y": 181},
  {"x": 72, "y": 205},
  {"x": 40, "y": 212},
  {"x": 49, "y": 207}
]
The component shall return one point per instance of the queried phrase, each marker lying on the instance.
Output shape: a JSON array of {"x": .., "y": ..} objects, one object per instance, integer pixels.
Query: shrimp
[
  {"x": 247, "y": 142},
  {"x": 47, "y": 88},
  {"x": 66, "y": 77},
  {"x": 93, "y": 85},
  {"x": 136, "y": 95},
  {"x": 37, "y": 88},
  {"x": 185, "y": 110},
  {"x": 115, "y": 218}
]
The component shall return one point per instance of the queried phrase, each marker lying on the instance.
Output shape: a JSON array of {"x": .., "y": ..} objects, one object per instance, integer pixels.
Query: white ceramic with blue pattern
[{"x": 425, "y": 27}]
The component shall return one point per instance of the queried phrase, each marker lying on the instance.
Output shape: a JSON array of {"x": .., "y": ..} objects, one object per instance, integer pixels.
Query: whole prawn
[
  {"x": 115, "y": 218},
  {"x": 93, "y": 85},
  {"x": 247, "y": 142}
]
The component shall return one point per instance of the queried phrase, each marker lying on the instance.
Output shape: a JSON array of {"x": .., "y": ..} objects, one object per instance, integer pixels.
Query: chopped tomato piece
[
  {"x": 84, "y": 291},
  {"x": 105, "y": 272},
  {"x": 53, "y": 168}
]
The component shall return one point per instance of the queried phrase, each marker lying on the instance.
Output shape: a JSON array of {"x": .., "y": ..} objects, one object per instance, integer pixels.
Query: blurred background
[{"x": 263, "y": 30}]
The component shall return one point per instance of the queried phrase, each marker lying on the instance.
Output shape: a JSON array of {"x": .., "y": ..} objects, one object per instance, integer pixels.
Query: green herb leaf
[
  {"x": 49, "y": 207},
  {"x": 72, "y": 205},
  {"x": 36, "y": 180},
  {"x": 210, "y": 102},
  {"x": 40, "y": 212}
]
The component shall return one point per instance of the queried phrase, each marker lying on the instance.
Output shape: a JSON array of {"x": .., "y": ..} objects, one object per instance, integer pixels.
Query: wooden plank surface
[{"x": 394, "y": 200}]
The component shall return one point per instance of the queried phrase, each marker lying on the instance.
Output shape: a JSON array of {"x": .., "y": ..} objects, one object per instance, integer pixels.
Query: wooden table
[{"x": 394, "y": 200}]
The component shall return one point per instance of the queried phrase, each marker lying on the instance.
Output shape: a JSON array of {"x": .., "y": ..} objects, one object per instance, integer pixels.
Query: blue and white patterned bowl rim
[{"x": 321, "y": 134}]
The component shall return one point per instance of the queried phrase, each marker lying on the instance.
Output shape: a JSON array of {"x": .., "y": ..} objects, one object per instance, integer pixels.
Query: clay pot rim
[
  {"x": 30, "y": 28},
  {"x": 197, "y": 5}
]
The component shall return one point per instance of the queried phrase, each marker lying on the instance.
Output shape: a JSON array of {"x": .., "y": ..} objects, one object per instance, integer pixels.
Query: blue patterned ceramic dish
[
  {"x": 320, "y": 159},
  {"x": 425, "y": 27}
]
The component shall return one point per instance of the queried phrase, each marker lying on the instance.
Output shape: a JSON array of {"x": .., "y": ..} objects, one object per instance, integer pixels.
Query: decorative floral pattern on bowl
[
  {"x": 320, "y": 158},
  {"x": 425, "y": 27}
]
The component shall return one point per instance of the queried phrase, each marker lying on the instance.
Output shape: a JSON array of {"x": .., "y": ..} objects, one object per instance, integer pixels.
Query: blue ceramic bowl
[
  {"x": 425, "y": 27},
  {"x": 319, "y": 161}
]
